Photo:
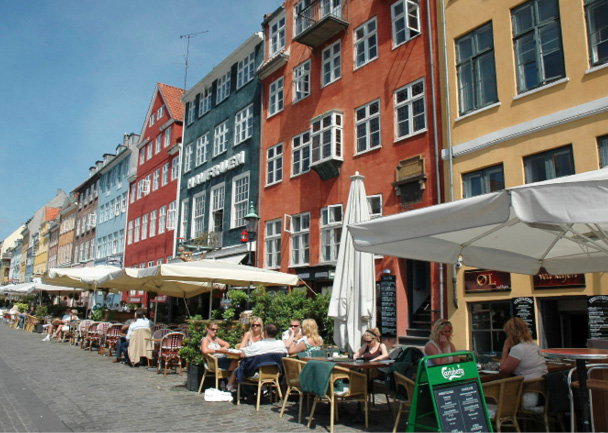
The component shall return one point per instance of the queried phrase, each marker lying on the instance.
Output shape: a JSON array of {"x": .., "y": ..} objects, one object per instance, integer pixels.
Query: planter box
[{"x": 194, "y": 377}]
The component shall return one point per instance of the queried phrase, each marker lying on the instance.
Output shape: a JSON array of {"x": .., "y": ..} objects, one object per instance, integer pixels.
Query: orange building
[{"x": 347, "y": 87}]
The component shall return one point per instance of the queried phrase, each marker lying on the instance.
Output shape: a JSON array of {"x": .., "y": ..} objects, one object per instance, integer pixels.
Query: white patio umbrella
[
  {"x": 36, "y": 286},
  {"x": 560, "y": 224},
  {"x": 353, "y": 295}
]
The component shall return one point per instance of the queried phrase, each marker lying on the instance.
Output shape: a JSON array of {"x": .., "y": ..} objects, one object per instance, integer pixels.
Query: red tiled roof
[
  {"x": 172, "y": 97},
  {"x": 50, "y": 213}
]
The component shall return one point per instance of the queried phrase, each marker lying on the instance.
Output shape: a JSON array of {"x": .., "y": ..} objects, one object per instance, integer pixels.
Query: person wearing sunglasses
[
  {"x": 212, "y": 345},
  {"x": 373, "y": 349},
  {"x": 255, "y": 332},
  {"x": 293, "y": 333},
  {"x": 310, "y": 342}
]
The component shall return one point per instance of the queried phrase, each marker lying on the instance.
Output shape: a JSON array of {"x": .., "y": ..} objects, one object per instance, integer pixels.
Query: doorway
[{"x": 563, "y": 322}]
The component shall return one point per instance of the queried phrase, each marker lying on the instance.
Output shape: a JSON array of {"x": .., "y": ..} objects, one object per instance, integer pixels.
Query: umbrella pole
[
  {"x": 155, "y": 310},
  {"x": 210, "y": 300},
  {"x": 187, "y": 309}
]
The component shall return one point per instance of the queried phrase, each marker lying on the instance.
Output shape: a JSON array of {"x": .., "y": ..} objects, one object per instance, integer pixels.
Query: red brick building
[
  {"x": 348, "y": 86},
  {"x": 152, "y": 210}
]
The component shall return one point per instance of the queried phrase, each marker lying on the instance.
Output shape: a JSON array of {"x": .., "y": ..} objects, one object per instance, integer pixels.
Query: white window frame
[
  {"x": 123, "y": 202},
  {"x": 198, "y": 215},
  {"x": 370, "y": 205},
  {"x": 172, "y": 215},
  {"x": 405, "y": 18},
  {"x": 240, "y": 200},
  {"x": 274, "y": 164},
  {"x": 201, "y": 149},
  {"x": 275, "y": 97},
  {"x": 153, "y": 223},
  {"x": 366, "y": 43},
  {"x": 160, "y": 112},
  {"x": 191, "y": 112},
  {"x": 151, "y": 122},
  {"x": 272, "y": 259},
  {"x": 167, "y": 136},
  {"x": 156, "y": 179},
  {"x": 300, "y": 154},
  {"x": 276, "y": 35},
  {"x": 243, "y": 124},
  {"x": 220, "y": 138},
  {"x": 223, "y": 87},
  {"x": 188, "y": 158},
  {"x": 158, "y": 147},
  {"x": 331, "y": 68},
  {"x": 144, "y": 227},
  {"x": 150, "y": 151},
  {"x": 301, "y": 81},
  {"x": 367, "y": 126},
  {"x": 133, "y": 192},
  {"x": 332, "y": 121},
  {"x": 216, "y": 204},
  {"x": 409, "y": 105},
  {"x": 299, "y": 228},
  {"x": 204, "y": 101},
  {"x": 142, "y": 155},
  {"x": 185, "y": 215},
  {"x": 245, "y": 70},
  {"x": 162, "y": 219},
  {"x": 165, "y": 175},
  {"x": 136, "y": 230},
  {"x": 175, "y": 168},
  {"x": 331, "y": 230}
]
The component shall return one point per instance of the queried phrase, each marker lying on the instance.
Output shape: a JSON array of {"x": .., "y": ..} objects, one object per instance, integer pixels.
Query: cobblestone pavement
[{"x": 49, "y": 386}]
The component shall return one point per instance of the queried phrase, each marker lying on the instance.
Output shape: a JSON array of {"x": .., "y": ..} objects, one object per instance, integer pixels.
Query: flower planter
[{"x": 194, "y": 377}]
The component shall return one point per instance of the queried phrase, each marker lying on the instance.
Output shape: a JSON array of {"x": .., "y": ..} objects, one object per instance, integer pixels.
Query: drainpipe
[
  {"x": 436, "y": 142},
  {"x": 449, "y": 131}
]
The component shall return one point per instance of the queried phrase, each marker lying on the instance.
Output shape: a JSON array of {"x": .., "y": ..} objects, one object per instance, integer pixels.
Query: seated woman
[
  {"x": 254, "y": 334},
  {"x": 521, "y": 356},
  {"x": 440, "y": 343},
  {"x": 373, "y": 349},
  {"x": 216, "y": 347},
  {"x": 309, "y": 342}
]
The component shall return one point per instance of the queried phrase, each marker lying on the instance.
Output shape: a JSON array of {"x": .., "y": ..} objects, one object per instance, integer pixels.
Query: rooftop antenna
[{"x": 188, "y": 36}]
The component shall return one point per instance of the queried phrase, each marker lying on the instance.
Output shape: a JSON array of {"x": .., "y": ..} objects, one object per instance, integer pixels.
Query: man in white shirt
[
  {"x": 268, "y": 345},
  {"x": 57, "y": 324},
  {"x": 123, "y": 343},
  {"x": 294, "y": 329}
]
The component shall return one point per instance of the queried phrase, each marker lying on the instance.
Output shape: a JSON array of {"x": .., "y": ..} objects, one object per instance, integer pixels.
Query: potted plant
[
  {"x": 191, "y": 352},
  {"x": 41, "y": 312}
]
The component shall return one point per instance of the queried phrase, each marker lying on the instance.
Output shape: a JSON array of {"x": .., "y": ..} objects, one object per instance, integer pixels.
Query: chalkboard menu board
[
  {"x": 524, "y": 309},
  {"x": 460, "y": 408},
  {"x": 597, "y": 311},
  {"x": 388, "y": 306}
]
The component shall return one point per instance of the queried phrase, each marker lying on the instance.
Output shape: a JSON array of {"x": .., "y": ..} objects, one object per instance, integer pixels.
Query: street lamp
[{"x": 251, "y": 223}]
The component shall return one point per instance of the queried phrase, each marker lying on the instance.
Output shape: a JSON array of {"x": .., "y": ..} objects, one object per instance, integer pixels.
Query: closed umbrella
[{"x": 353, "y": 297}]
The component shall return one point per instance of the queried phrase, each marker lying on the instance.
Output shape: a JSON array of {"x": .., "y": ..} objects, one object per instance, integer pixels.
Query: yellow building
[{"x": 525, "y": 99}]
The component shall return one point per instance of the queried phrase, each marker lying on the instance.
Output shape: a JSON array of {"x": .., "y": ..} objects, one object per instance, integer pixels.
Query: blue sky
[{"x": 77, "y": 74}]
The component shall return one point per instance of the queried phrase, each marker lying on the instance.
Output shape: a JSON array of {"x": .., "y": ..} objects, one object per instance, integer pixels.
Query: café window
[
  {"x": 549, "y": 165},
  {"x": 486, "y": 321},
  {"x": 484, "y": 181}
]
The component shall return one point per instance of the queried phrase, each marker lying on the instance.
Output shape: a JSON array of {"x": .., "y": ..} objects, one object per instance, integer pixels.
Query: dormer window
[{"x": 276, "y": 36}]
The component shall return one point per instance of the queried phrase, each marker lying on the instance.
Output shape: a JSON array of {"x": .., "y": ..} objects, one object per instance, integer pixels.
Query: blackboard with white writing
[
  {"x": 524, "y": 309},
  {"x": 597, "y": 311},
  {"x": 460, "y": 408},
  {"x": 388, "y": 306}
]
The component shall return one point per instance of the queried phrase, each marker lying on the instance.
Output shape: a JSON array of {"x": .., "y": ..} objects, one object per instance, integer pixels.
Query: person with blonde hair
[
  {"x": 254, "y": 334},
  {"x": 373, "y": 349},
  {"x": 309, "y": 342},
  {"x": 440, "y": 343},
  {"x": 521, "y": 356}
]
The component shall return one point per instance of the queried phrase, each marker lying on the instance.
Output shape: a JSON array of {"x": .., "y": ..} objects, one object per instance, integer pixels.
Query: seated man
[
  {"x": 123, "y": 343},
  {"x": 66, "y": 324},
  {"x": 268, "y": 345},
  {"x": 294, "y": 331},
  {"x": 57, "y": 324}
]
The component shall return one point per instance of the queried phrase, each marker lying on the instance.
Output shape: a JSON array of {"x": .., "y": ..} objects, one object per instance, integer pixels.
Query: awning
[{"x": 235, "y": 260}]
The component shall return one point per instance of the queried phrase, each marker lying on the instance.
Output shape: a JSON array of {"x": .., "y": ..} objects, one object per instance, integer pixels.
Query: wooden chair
[
  {"x": 212, "y": 369},
  {"x": 593, "y": 384},
  {"x": 356, "y": 391},
  {"x": 267, "y": 375},
  {"x": 292, "y": 368},
  {"x": 99, "y": 337},
  {"x": 30, "y": 323},
  {"x": 90, "y": 333},
  {"x": 82, "y": 332},
  {"x": 542, "y": 412},
  {"x": 169, "y": 351},
  {"x": 404, "y": 405},
  {"x": 112, "y": 337},
  {"x": 157, "y": 335},
  {"x": 504, "y": 396}
]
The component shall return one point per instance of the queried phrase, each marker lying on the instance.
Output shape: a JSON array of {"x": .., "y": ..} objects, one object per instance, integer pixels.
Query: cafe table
[{"x": 581, "y": 356}]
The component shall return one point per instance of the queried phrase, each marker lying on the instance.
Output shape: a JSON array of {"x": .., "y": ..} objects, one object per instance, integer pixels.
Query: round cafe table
[{"x": 581, "y": 356}]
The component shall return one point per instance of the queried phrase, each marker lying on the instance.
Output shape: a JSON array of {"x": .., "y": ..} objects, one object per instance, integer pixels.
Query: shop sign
[
  {"x": 388, "y": 305},
  {"x": 544, "y": 280},
  {"x": 134, "y": 300},
  {"x": 524, "y": 309},
  {"x": 486, "y": 281},
  {"x": 221, "y": 168},
  {"x": 597, "y": 312}
]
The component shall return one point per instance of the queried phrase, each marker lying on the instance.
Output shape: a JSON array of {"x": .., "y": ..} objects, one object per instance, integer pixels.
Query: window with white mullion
[
  {"x": 245, "y": 70},
  {"x": 150, "y": 151},
  {"x": 240, "y": 199},
  {"x": 188, "y": 158},
  {"x": 301, "y": 81},
  {"x": 331, "y": 230},
  {"x": 198, "y": 214},
  {"x": 185, "y": 216},
  {"x": 303, "y": 16},
  {"x": 153, "y": 223},
  {"x": 274, "y": 164},
  {"x": 156, "y": 179},
  {"x": 410, "y": 111},
  {"x": 223, "y": 88},
  {"x": 273, "y": 244},
  {"x": 216, "y": 217},
  {"x": 300, "y": 154},
  {"x": 300, "y": 239},
  {"x": 144, "y": 227},
  {"x": 276, "y": 38},
  {"x": 220, "y": 138},
  {"x": 165, "y": 175},
  {"x": 275, "y": 97},
  {"x": 326, "y": 138},
  {"x": 130, "y": 233},
  {"x": 243, "y": 124},
  {"x": 405, "y": 15},
  {"x": 366, "y": 43},
  {"x": 201, "y": 149},
  {"x": 331, "y": 64},
  {"x": 159, "y": 139},
  {"x": 204, "y": 102},
  {"x": 137, "y": 226},
  {"x": 596, "y": 12},
  {"x": 191, "y": 112},
  {"x": 367, "y": 126},
  {"x": 162, "y": 219}
]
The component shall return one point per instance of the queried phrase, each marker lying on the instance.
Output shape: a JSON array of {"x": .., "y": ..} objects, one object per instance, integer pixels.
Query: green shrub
[
  {"x": 23, "y": 307},
  {"x": 41, "y": 311}
]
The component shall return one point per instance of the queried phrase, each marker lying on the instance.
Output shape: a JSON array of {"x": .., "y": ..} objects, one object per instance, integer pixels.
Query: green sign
[{"x": 449, "y": 397}]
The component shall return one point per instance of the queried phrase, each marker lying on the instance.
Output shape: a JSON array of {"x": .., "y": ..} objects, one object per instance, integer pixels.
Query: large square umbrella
[
  {"x": 353, "y": 294},
  {"x": 560, "y": 225}
]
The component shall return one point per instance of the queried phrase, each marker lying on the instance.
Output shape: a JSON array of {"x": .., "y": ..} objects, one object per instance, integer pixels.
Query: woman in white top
[
  {"x": 254, "y": 334},
  {"x": 212, "y": 345},
  {"x": 521, "y": 356},
  {"x": 440, "y": 342}
]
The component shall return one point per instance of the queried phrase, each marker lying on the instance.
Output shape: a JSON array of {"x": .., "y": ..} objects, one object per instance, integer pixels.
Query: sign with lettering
[
  {"x": 597, "y": 311},
  {"x": 544, "y": 280},
  {"x": 486, "y": 281},
  {"x": 460, "y": 409},
  {"x": 524, "y": 309},
  {"x": 388, "y": 306},
  {"x": 221, "y": 168}
]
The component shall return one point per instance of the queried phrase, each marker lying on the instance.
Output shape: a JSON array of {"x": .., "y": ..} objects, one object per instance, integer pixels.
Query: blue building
[
  {"x": 220, "y": 155},
  {"x": 112, "y": 207}
]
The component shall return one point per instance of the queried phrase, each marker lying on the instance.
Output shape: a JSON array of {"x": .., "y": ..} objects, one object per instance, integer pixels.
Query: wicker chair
[
  {"x": 112, "y": 336},
  {"x": 404, "y": 405},
  {"x": 267, "y": 375},
  {"x": 157, "y": 335},
  {"x": 356, "y": 391},
  {"x": 82, "y": 332},
  {"x": 30, "y": 323},
  {"x": 99, "y": 337},
  {"x": 91, "y": 332},
  {"x": 502, "y": 398},
  {"x": 542, "y": 412},
  {"x": 292, "y": 368},
  {"x": 212, "y": 369},
  {"x": 157, "y": 327},
  {"x": 169, "y": 351}
]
